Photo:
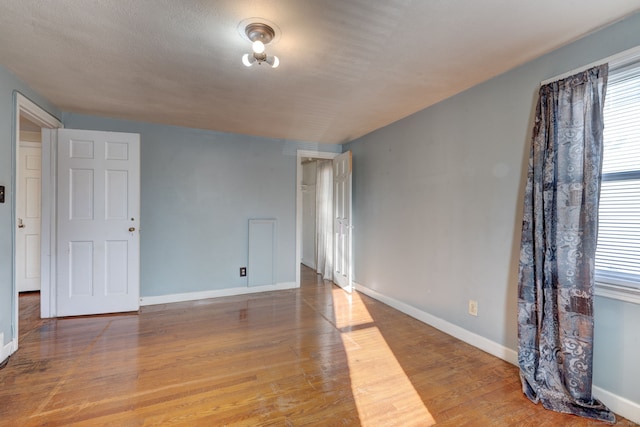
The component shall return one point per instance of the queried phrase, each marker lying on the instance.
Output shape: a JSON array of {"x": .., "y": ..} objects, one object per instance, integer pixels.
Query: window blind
[{"x": 618, "y": 250}]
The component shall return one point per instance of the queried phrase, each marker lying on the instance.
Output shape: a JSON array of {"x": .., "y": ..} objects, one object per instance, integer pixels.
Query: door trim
[
  {"x": 32, "y": 111},
  {"x": 48, "y": 240},
  {"x": 300, "y": 155}
]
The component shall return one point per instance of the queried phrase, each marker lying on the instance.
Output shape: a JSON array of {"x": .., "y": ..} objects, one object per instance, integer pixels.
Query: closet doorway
[{"x": 323, "y": 215}]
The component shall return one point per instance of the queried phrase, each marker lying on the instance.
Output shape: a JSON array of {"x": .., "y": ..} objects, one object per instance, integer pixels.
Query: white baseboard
[
  {"x": 310, "y": 264},
  {"x": 217, "y": 293},
  {"x": 5, "y": 349},
  {"x": 618, "y": 404},
  {"x": 462, "y": 334}
]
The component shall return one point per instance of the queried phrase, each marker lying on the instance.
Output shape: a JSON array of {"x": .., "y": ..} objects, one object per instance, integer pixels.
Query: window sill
[{"x": 621, "y": 293}]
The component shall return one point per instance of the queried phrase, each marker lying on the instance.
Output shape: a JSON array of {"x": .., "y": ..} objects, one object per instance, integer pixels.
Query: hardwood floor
[{"x": 313, "y": 356}]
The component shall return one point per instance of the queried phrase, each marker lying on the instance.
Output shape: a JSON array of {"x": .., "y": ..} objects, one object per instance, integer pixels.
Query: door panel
[
  {"x": 28, "y": 213},
  {"x": 81, "y": 194},
  {"x": 342, "y": 227},
  {"x": 116, "y": 184},
  {"x": 80, "y": 269},
  {"x": 98, "y": 219},
  {"x": 116, "y": 259}
]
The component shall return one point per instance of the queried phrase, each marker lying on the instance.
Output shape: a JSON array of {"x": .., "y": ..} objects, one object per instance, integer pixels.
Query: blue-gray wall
[
  {"x": 198, "y": 191},
  {"x": 9, "y": 84},
  {"x": 437, "y": 205},
  {"x": 437, "y": 208}
]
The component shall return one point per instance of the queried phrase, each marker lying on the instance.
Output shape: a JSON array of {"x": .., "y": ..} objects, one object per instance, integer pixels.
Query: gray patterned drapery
[{"x": 557, "y": 253}]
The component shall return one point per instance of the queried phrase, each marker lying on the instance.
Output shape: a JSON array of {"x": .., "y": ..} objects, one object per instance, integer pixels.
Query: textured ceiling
[{"x": 347, "y": 66}]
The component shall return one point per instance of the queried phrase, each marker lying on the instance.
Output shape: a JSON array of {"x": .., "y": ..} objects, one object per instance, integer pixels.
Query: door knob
[
  {"x": 132, "y": 229},
  {"x": 20, "y": 223}
]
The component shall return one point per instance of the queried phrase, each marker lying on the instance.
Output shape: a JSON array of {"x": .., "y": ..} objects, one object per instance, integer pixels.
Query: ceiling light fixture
[{"x": 259, "y": 34}]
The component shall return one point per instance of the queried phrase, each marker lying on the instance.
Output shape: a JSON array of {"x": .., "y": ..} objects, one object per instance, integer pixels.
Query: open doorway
[
  {"x": 30, "y": 185},
  {"x": 309, "y": 194},
  {"x": 28, "y": 211},
  {"x": 306, "y": 253},
  {"x": 324, "y": 192},
  {"x": 317, "y": 216}
]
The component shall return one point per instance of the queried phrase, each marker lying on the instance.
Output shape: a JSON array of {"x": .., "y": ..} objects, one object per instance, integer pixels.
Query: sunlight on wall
[{"x": 383, "y": 393}]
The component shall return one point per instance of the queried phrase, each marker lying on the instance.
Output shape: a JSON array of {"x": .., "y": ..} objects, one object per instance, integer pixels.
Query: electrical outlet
[
  {"x": 243, "y": 271},
  {"x": 473, "y": 307}
]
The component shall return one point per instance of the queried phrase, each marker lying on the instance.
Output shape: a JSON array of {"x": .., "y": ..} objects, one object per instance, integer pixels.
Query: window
[{"x": 618, "y": 251}]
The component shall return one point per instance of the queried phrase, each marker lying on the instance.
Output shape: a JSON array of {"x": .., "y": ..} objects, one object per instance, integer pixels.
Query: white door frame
[
  {"x": 300, "y": 156},
  {"x": 27, "y": 108}
]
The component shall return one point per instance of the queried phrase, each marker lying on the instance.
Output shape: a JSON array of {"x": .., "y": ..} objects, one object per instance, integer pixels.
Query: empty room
[{"x": 319, "y": 213}]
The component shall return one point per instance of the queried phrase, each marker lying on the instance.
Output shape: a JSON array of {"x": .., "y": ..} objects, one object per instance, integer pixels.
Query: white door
[
  {"x": 342, "y": 275},
  {"x": 28, "y": 217},
  {"x": 97, "y": 222}
]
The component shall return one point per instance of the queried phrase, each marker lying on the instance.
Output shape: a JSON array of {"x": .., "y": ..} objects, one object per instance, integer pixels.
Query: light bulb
[
  {"x": 258, "y": 46},
  {"x": 246, "y": 61},
  {"x": 273, "y": 61}
]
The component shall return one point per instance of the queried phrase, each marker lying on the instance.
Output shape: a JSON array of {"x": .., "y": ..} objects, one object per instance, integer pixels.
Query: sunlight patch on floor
[{"x": 383, "y": 393}]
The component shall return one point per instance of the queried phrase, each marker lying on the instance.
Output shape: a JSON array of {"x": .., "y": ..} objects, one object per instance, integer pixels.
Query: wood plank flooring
[{"x": 313, "y": 356}]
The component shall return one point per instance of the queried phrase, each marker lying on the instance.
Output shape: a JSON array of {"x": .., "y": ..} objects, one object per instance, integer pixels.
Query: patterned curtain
[{"x": 557, "y": 253}]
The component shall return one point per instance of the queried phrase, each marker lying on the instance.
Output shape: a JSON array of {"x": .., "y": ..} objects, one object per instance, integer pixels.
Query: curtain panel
[
  {"x": 324, "y": 219},
  {"x": 557, "y": 254}
]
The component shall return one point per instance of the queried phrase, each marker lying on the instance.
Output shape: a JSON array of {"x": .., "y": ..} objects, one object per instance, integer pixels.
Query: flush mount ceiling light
[{"x": 260, "y": 34}]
